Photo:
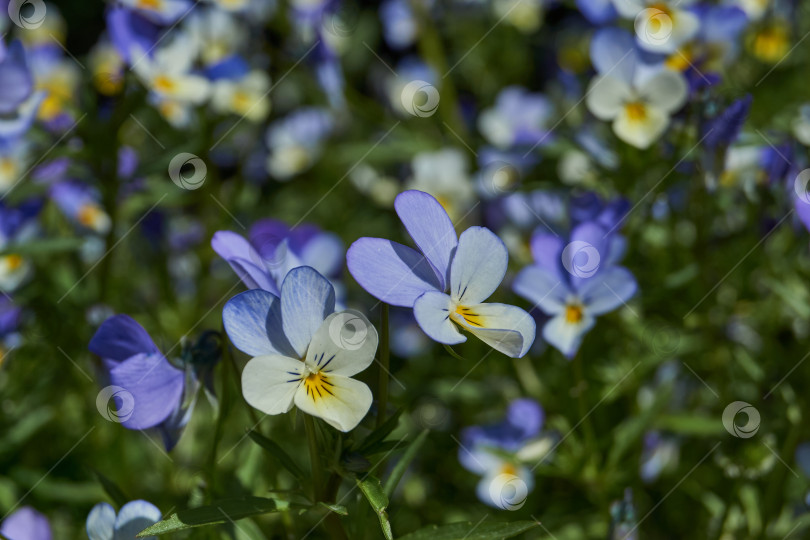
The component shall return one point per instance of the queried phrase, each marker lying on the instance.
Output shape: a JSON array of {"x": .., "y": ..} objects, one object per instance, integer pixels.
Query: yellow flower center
[
  {"x": 13, "y": 261},
  {"x": 508, "y": 468},
  {"x": 317, "y": 385},
  {"x": 467, "y": 315},
  {"x": 681, "y": 59},
  {"x": 7, "y": 167},
  {"x": 164, "y": 84},
  {"x": 573, "y": 313},
  {"x": 771, "y": 43},
  {"x": 241, "y": 101},
  {"x": 636, "y": 111},
  {"x": 89, "y": 214},
  {"x": 149, "y": 4}
]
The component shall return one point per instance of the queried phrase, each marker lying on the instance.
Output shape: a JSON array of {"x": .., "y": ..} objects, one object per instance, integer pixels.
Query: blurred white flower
[{"x": 445, "y": 175}]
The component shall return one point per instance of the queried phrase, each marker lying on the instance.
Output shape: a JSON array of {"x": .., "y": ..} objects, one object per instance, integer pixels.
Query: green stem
[
  {"x": 382, "y": 388},
  {"x": 315, "y": 458},
  {"x": 590, "y": 436}
]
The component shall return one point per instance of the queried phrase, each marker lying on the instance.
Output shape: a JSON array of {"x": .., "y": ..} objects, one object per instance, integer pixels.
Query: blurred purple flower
[
  {"x": 26, "y": 524},
  {"x": 132, "y": 518}
]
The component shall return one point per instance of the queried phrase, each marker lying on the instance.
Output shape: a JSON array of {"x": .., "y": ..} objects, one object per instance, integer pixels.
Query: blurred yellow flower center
[
  {"x": 150, "y": 4},
  {"x": 317, "y": 385},
  {"x": 164, "y": 84},
  {"x": 636, "y": 111},
  {"x": 89, "y": 214},
  {"x": 241, "y": 101},
  {"x": 771, "y": 43},
  {"x": 7, "y": 167},
  {"x": 508, "y": 468},
  {"x": 681, "y": 59},
  {"x": 13, "y": 261},
  {"x": 573, "y": 313},
  {"x": 467, "y": 315}
]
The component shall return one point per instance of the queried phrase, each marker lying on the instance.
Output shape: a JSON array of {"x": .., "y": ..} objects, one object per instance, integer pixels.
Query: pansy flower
[
  {"x": 499, "y": 453},
  {"x": 26, "y": 524},
  {"x": 17, "y": 225},
  {"x": 296, "y": 141},
  {"x": 163, "y": 12},
  {"x": 156, "y": 393},
  {"x": 574, "y": 282},
  {"x": 81, "y": 204},
  {"x": 661, "y": 26},
  {"x": 638, "y": 99},
  {"x": 273, "y": 248},
  {"x": 303, "y": 352},
  {"x": 447, "y": 283},
  {"x": 104, "y": 524},
  {"x": 519, "y": 118}
]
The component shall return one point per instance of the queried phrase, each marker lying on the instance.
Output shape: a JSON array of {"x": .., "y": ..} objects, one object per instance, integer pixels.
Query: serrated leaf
[
  {"x": 222, "y": 511},
  {"x": 471, "y": 531},
  {"x": 376, "y": 497},
  {"x": 399, "y": 469},
  {"x": 283, "y": 458}
]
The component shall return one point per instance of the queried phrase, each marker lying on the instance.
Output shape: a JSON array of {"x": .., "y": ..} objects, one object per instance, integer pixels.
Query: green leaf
[
  {"x": 336, "y": 508},
  {"x": 111, "y": 489},
  {"x": 399, "y": 469},
  {"x": 689, "y": 424},
  {"x": 379, "y": 434},
  {"x": 277, "y": 452},
  {"x": 376, "y": 497},
  {"x": 222, "y": 511},
  {"x": 471, "y": 531},
  {"x": 44, "y": 246}
]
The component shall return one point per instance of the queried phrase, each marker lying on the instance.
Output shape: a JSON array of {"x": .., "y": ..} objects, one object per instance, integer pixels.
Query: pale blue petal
[
  {"x": 252, "y": 321},
  {"x": 542, "y": 288},
  {"x": 101, "y": 522},
  {"x": 430, "y": 227},
  {"x": 608, "y": 290},
  {"x": 614, "y": 53},
  {"x": 307, "y": 298},
  {"x": 134, "y": 517},
  {"x": 391, "y": 272},
  {"x": 478, "y": 266}
]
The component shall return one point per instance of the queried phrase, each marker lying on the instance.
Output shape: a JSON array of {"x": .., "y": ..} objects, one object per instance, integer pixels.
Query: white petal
[
  {"x": 507, "y": 329},
  {"x": 641, "y": 132},
  {"x": 478, "y": 266},
  {"x": 432, "y": 312},
  {"x": 269, "y": 382},
  {"x": 340, "y": 401},
  {"x": 565, "y": 336},
  {"x": 667, "y": 90},
  {"x": 606, "y": 96},
  {"x": 345, "y": 344}
]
